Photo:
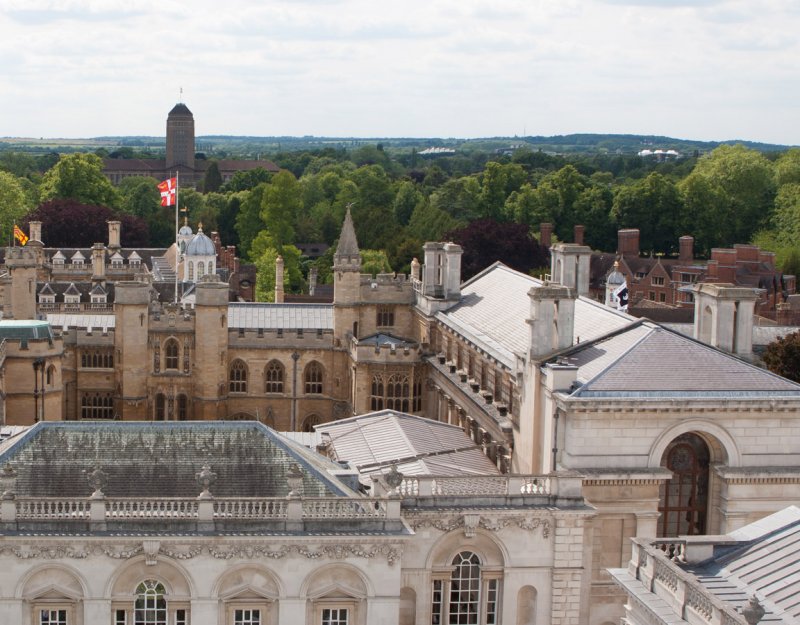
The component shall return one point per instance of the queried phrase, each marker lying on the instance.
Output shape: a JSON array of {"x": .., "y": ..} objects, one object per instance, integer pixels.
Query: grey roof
[
  {"x": 495, "y": 307},
  {"x": 201, "y": 245},
  {"x": 372, "y": 442},
  {"x": 142, "y": 459},
  {"x": 384, "y": 338},
  {"x": 25, "y": 329},
  {"x": 87, "y": 320},
  {"x": 348, "y": 244},
  {"x": 180, "y": 109},
  {"x": 662, "y": 363},
  {"x": 287, "y": 316},
  {"x": 768, "y": 564}
]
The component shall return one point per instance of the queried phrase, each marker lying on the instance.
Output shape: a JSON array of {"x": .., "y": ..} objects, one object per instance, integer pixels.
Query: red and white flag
[{"x": 167, "y": 190}]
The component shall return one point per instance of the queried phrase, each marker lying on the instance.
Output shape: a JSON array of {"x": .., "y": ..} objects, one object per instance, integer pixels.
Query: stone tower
[
  {"x": 346, "y": 281},
  {"x": 131, "y": 342},
  {"x": 723, "y": 317},
  {"x": 180, "y": 137},
  {"x": 211, "y": 348},
  {"x": 21, "y": 292}
]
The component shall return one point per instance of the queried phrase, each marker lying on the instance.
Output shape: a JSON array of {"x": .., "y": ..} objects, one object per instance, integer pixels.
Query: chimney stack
[
  {"x": 628, "y": 242},
  {"x": 546, "y": 235},
  {"x": 279, "y": 280},
  {"x": 98, "y": 262},
  {"x": 35, "y": 228},
  {"x": 579, "y": 231},
  {"x": 114, "y": 235},
  {"x": 686, "y": 247},
  {"x": 312, "y": 280}
]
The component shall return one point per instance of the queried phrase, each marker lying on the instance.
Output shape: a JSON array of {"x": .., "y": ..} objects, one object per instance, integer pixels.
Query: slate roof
[
  {"x": 648, "y": 360},
  {"x": 382, "y": 338},
  {"x": 372, "y": 442},
  {"x": 180, "y": 109},
  {"x": 495, "y": 306},
  {"x": 144, "y": 459},
  {"x": 287, "y": 316}
]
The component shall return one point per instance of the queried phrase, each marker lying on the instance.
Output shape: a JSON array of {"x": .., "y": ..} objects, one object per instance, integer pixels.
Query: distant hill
[{"x": 560, "y": 144}]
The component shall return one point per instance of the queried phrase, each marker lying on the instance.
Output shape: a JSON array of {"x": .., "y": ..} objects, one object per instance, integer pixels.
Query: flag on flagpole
[
  {"x": 167, "y": 190},
  {"x": 621, "y": 296},
  {"x": 19, "y": 235}
]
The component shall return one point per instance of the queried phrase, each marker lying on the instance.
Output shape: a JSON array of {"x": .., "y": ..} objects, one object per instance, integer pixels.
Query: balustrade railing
[
  {"x": 344, "y": 509},
  {"x": 249, "y": 508},
  {"x": 151, "y": 508},
  {"x": 52, "y": 509},
  {"x": 415, "y": 486}
]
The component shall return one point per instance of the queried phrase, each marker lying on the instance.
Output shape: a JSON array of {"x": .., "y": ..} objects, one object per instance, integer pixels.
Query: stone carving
[
  {"x": 494, "y": 524},
  {"x": 393, "y": 479},
  {"x": 294, "y": 477},
  {"x": 150, "y": 548},
  {"x": 97, "y": 479},
  {"x": 249, "y": 550},
  {"x": 206, "y": 479},
  {"x": 8, "y": 478}
]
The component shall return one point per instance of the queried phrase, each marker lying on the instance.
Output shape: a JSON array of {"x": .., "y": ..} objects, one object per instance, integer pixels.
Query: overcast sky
[{"x": 700, "y": 69}]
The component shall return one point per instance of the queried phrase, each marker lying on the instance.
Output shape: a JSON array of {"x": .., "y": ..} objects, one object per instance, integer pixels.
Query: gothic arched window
[
  {"x": 171, "y": 351},
  {"x": 312, "y": 377},
  {"x": 273, "y": 377},
  {"x": 237, "y": 380}
]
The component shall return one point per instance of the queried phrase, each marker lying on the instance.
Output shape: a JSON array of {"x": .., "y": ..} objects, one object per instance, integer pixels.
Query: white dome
[
  {"x": 185, "y": 231},
  {"x": 201, "y": 245}
]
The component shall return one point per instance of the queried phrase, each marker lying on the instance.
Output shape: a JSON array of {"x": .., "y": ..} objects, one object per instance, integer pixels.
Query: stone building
[
  {"x": 180, "y": 156},
  {"x": 232, "y": 524},
  {"x": 669, "y": 434}
]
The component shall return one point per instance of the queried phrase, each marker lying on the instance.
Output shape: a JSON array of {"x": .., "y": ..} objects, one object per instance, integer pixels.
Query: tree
[
  {"x": 783, "y": 356},
  {"x": 13, "y": 204},
  {"x": 787, "y": 167},
  {"x": 265, "y": 272},
  {"x": 486, "y": 241},
  {"x": 459, "y": 197},
  {"x": 405, "y": 201},
  {"x": 787, "y": 214},
  {"x": 248, "y": 221},
  {"x": 246, "y": 180},
  {"x": 281, "y": 202},
  {"x": 374, "y": 262},
  {"x": 79, "y": 177},
  {"x": 429, "y": 223},
  {"x": 67, "y": 223},
  {"x": 212, "y": 180},
  {"x": 654, "y": 206},
  {"x": 497, "y": 183}
]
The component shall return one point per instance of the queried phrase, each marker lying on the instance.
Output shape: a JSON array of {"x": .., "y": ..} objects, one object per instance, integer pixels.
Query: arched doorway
[{"x": 684, "y": 498}]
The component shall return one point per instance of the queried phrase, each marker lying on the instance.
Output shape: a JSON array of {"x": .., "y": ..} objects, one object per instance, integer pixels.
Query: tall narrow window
[
  {"x": 313, "y": 378},
  {"x": 171, "y": 349},
  {"x": 376, "y": 396},
  {"x": 684, "y": 497},
  {"x": 182, "y": 407},
  {"x": 465, "y": 587},
  {"x": 385, "y": 316},
  {"x": 238, "y": 377},
  {"x": 160, "y": 407},
  {"x": 150, "y": 607},
  {"x": 274, "y": 377},
  {"x": 397, "y": 393}
]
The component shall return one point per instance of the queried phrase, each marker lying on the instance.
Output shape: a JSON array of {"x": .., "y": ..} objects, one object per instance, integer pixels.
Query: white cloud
[{"x": 706, "y": 69}]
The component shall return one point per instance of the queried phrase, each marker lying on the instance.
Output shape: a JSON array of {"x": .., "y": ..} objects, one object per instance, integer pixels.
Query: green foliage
[
  {"x": 212, "y": 180},
  {"x": 786, "y": 218},
  {"x": 374, "y": 262},
  {"x": 405, "y": 201},
  {"x": 787, "y": 167},
  {"x": 248, "y": 221},
  {"x": 245, "y": 180},
  {"x": 265, "y": 276},
  {"x": 14, "y": 203},
  {"x": 79, "y": 177},
  {"x": 429, "y": 223},
  {"x": 282, "y": 200},
  {"x": 653, "y": 205},
  {"x": 783, "y": 356}
]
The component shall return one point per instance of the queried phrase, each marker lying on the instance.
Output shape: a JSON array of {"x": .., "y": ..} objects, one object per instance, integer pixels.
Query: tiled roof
[
  {"x": 663, "y": 363},
  {"x": 273, "y": 316},
  {"x": 372, "y": 442},
  {"x": 495, "y": 307}
]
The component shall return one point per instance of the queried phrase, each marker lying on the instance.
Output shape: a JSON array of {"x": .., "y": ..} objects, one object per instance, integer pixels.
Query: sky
[{"x": 694, "y": 69}]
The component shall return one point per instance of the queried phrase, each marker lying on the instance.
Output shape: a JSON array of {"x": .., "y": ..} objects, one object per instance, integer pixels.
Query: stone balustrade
[{"x": 655, "y": 564}]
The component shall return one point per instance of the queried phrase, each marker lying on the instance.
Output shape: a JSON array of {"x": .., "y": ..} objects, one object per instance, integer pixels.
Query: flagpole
[{"x": 177, "y": 244}]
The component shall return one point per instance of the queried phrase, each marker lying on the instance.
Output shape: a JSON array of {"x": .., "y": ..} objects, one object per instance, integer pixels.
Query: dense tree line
[{"x": 731, "y": 195}]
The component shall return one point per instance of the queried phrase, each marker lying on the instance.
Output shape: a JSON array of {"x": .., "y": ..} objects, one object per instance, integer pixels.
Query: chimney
[
  {"x": 628, "y": 242},
  {"x": 686, "y": 247},
  {"x": 279, "y": 280},
  {"x": 98, "y": 262},
  {"x": 415, "y": 269},
  {"x": 546, "y": 234},
  {"x": 114, "y": 228},
  {"x": 35, "y": 228},
  {"x": 452, "y": 281},
  {"x": 723, "y": 317},
  {"x": 552, "y": 319},
  {"x": 312, "y": 280},
  {"x": 579, "y": 230}
]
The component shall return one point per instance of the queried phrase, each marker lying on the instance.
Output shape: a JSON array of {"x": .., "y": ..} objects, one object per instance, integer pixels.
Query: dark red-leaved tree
[
  {"x": 67, "y": 223},
  {"x": 783, "y": 356},
  {"x": 486, "y": 241}
]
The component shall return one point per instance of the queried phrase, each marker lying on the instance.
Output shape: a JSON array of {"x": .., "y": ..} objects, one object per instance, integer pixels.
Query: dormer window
[
  {"x": 78, "y": 259},
  {"x": 58, "y": 259},
  {"x": 117, "y": 261}
]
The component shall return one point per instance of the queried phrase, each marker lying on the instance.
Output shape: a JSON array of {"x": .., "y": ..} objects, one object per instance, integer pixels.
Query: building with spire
[{"x": 180, "y": 156}]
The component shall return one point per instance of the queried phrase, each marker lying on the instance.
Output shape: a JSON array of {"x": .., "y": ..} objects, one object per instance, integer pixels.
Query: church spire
[{"x": 348, "y": 245}]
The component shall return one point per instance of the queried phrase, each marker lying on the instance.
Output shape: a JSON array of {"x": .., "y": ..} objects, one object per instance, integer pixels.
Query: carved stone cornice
[
  {"x": 491, "y": 524},
  {"x": 221, "y": 550}
]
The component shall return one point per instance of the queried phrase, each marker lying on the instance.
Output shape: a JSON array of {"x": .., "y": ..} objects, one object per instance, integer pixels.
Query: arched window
[
  {"x": 313, "y": 378},
  {"x": 310, "y": 421},
  {"x": 273, "y": 377},
  {"x": 183, "y": 406},
  {"x": 684, "y": 497},
  {"x": 51, "y": 375},
  {"x": 171, "y": 351},
  {"x": 151, "y": 606},
  {"x": 397, "y": 393},
  {"x": 237, "y": 380},
  {"x": 467, "y": 597},
  {"x": 417, "y": 394},
  {"x": 376, "y": 396},
  {"x": 160, "y": 407},
  {"x": 191, "y": 270},
  {"x": 201, "y": 270}
]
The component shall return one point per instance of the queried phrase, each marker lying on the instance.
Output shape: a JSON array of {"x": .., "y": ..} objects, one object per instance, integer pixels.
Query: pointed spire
[{"x": 348, "y": 245}]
